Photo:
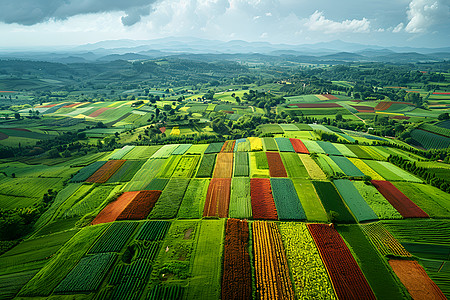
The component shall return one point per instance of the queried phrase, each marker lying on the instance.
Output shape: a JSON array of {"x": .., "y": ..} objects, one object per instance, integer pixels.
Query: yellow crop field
[
  {"x": 314, "y": 171},
  {"x": 255, "y": 144},
  {"x": 365, "y": 168}
]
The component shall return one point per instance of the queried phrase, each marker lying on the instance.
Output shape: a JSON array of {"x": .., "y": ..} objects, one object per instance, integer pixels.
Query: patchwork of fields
[{"x": 261, "y": 218}]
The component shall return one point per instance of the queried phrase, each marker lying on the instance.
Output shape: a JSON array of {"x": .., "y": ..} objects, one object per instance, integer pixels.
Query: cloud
[
  {"x": 424, "y": 13},
  {"x": 318, "y": 22},
  {"x": 398, "y": 28},
  {"x": 30, "y": 12}
]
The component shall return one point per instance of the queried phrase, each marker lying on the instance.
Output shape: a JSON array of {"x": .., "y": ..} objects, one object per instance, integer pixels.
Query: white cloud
[
  {"x": 424, "y": 13},
  {"x": 398, "y": 28},
  {"x": 318, "y": 22}
]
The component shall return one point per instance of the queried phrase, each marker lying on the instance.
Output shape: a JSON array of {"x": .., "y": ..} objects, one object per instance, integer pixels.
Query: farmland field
[
  {"x": 294, "y": 165},
  {"x": 224, "y": 165},
  {"x": 371, "y": 263},
  {"x": 276, "y": 167},
  {"x": 347, "y": 278},
  {"x": 308, "y": 271},
  {"x": 360, "y": 209},
  {"x": 332, "y": 202},
  {"x": 206, "y": 269},
  {"x": 193, "y": 200},
  {"x": 432, "y": 201},
  {"x": 206, "y": 166},
  {"x": 310, "y": 201},
  {"x": 314, "y": 171},
  {"x": 399, "y": 201},
  {"x": 381, "y": 207},
  {"x": 169, "y": 202},
  {"x": 177, "y": 227},
  {"x": 240, "y": 200},
  {"x": 218, "y": 198},
  {"x": 286, "y": 200},
  {"x": 237, "y": 273},
  {"x": 263, "y": 206},
  {"x": 271, "y": 269}
]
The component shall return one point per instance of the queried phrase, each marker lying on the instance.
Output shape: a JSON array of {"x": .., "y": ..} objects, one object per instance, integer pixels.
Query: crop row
[
  {"x": 106, "y": 171},
  {"x": 114, "y": 238},
  {"x": 153, "y": 230},
  {"x": 171, "y": 292},
  {"x": 87, "y": 275},
  {"x": 398, "y": 200},
  {"x": 218, "y": 198},
  {"x": 384, "y": 241},
  {"x": 140, "y": 206},
  {"x": 271, "y": 267},
  {"x": 263, "y": 206},
  {"x": 348, "y": 280},
  {"x": 237, "y": 275},
  {"x": 309, "y": 274}
]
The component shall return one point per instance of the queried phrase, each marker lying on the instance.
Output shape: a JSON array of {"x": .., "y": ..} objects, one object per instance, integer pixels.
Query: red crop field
[
  {"x": 47, "y": 106},
  {"x": 398, "y": 200},
  {"x": 114, "y": 209},
  {"x": 330, "y": 97},
  {"x": 416, "y": 280},
  {"x": 237, "y": 272},
  {"x": 363, "y": 109},
  {"x": 315, "y": 105},
  {"x": 348, "y": 280},
  {"x": 276, "y": 167},
  {"x": 383, "y": 105},
  {"x": 399, "y": 117},
  {"x": 263, "y": 205},
  {"x": 141, "y": 205},
  {"x": 218, "y": 198},
  {"x": 436, "y": 93},
  {"x": 298, "y": 145},
  {"x": 387, "y": 104},
  {"x": 72, "y": 105},
  {"x": 106, "y": 171},
  {"x": 224, "y": 165},
  {"x": 271, "y": 267},
  {"x": 99, "y": 111}
]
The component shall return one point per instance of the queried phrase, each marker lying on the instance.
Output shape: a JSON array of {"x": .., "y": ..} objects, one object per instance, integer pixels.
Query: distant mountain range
[{"x": 202, "y": 49}]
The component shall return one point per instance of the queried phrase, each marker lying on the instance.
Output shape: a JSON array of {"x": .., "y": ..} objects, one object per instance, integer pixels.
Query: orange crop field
[
  {"x": 140, "y": 206},
  {"x": 416, "y": 280},
  {"x": 217, "y": 198},
  {"x": 271, "y": 267},
  {"x": 106, "y": 171},
  {"x": 114, "y": 209},
  {"x": 276, "y": 167},
  {"x": 224, "y": 165}
]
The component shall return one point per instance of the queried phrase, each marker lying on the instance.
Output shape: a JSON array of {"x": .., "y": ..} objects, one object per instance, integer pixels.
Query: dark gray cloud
[{"x": 30, "y": 12}]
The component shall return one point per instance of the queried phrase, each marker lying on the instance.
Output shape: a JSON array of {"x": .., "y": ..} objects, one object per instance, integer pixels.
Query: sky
[{"x": 36, "y": 23}]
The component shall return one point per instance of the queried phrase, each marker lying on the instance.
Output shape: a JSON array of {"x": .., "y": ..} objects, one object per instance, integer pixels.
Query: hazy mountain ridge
[{"x": 338, "y": 51}]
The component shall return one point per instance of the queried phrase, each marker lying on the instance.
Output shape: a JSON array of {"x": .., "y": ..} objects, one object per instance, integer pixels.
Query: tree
[
  {"x": 54, "y": 153},
  {"x": 444, "y": 116},
  {"x": 17, "y": 116}
]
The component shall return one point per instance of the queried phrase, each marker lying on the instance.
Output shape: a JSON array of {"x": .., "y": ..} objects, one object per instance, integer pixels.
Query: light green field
[
  {"x": 207, "y": 268},
  {"x": 310, "y": 201}
]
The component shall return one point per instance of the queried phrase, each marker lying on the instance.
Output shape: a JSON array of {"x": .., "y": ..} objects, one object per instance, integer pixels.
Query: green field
[
  {"x": 380, "y": 277},
  {"x": 43, "y": 283},
  {"x": 240, "y": 202},
  {"x": 206, "y": 269},
  {"x": 194, "y": 199}
]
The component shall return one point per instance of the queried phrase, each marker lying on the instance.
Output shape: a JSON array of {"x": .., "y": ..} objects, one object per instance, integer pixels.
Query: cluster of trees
[
  {"x": 15, "y": 223},
  {"x": 424, "y": 173}
]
